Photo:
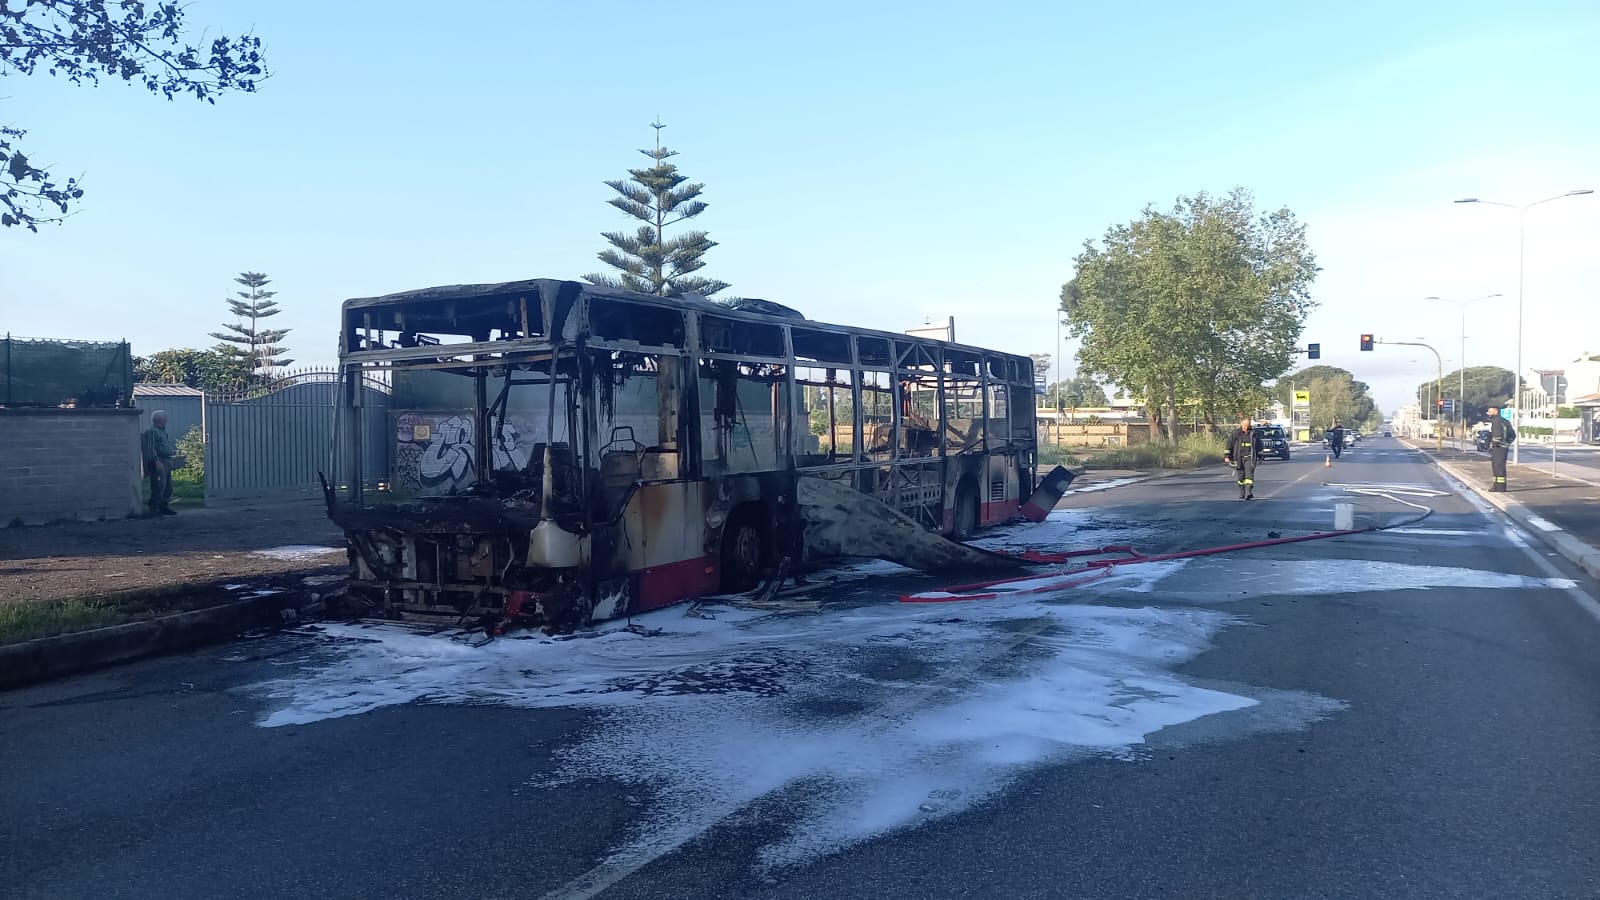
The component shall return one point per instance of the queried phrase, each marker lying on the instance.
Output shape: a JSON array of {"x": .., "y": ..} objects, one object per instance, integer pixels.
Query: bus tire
[
  {"x": 744, "y": 551},
  {"x": 965, "y": 514}
]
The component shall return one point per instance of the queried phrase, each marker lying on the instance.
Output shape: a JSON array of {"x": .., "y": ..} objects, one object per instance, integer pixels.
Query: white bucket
[{"x": 1344, "y": 517}]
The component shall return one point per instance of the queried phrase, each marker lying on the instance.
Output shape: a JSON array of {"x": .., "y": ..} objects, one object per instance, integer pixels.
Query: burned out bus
[{"x": 566, "y": 453}]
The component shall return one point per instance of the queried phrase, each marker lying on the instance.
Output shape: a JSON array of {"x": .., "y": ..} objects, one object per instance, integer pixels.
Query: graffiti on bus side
[{"x": 437, "y": 452}]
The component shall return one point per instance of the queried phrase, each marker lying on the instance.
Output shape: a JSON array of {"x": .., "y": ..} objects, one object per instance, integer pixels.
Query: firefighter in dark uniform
[
  {"x": 1501, "y": 437},
  {"x": 1244, "y": 450}
]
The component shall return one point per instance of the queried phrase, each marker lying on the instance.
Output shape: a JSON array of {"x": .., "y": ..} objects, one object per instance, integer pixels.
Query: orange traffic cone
[{"x": 1328, "y": 463}]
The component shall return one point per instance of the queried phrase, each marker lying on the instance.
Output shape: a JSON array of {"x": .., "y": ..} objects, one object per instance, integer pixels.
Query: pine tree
[
  {"x": 650, "y": 262},
  {"x": 248, "y": 337}
]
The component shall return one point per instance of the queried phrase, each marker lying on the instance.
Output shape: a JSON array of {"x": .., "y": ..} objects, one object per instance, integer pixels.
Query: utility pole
[{"x": 1438, "y": 432}]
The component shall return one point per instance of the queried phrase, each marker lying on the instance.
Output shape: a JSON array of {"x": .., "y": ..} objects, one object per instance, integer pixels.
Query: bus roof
[{"x": 553, "y": 287}]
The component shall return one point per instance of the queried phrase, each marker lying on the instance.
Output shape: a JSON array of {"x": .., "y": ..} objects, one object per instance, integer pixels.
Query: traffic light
[
  {"x": 1366, "y": 342},
  {"x": 1313, "y": 351},
  {"x": 1441, "y": 403}
]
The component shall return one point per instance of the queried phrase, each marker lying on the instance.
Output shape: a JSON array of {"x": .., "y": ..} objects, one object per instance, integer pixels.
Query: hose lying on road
[{"x": 1099, "y": 568}]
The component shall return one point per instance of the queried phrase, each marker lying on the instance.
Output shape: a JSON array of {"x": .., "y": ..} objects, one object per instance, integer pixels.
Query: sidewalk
[
  {"x": 1563, "y": 512},
  {"x": 84, "y": 559}
]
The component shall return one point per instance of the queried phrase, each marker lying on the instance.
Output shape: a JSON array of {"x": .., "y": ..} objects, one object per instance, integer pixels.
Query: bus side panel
[
  {"x": 1001, "y": 491},
  {"x": 665, "y": 545}
]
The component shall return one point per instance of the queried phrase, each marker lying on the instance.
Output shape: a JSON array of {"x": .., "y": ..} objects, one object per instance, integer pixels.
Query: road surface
[
  {"x": 1578, "y": 462},
  {"x": 1401, "y": 714}
]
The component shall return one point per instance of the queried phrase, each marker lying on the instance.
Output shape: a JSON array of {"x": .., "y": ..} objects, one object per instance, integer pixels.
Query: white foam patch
[
  {"x": 1065, "y": 529},
  {"x": 1327, "y": 577},
  {"x": 295, "y": 552},
  {"x": 859, "y": 721},
  {"x": 857, "y": 569},
  {"x": 1090, "y": 486}
]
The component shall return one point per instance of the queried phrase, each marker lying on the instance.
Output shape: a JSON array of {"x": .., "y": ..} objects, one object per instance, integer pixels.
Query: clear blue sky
[{"x": 874, "y": 164}]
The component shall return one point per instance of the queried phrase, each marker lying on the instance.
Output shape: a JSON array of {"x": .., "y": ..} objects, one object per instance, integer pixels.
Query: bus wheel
[
  {"x": 966, "y": 512},
  {"x": 743, "y": 551}
]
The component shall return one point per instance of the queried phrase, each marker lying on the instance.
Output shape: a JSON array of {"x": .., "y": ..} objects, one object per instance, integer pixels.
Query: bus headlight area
[{"x": 554, "y": 453}]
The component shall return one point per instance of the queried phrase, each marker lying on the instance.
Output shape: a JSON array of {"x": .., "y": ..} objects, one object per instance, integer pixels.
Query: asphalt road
[{"x": 1407, "y": 713}]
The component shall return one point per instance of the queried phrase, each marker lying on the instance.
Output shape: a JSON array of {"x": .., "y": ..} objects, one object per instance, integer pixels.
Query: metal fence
[
  {"x": 48, "y": 372},
  {"x": 271, "y": 441}
]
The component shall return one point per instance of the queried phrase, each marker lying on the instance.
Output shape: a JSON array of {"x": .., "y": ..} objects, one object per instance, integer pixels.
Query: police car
[{"x": 1274, "y": 442}]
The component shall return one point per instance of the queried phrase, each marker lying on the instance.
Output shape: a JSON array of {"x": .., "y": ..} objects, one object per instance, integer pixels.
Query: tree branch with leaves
[{"x": 83, "y": 40}]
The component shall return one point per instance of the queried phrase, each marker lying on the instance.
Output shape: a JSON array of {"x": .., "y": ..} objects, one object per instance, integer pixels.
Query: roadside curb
[
  {"x": 45, "y": 658},
  {"x": 1577, "y": 552}
]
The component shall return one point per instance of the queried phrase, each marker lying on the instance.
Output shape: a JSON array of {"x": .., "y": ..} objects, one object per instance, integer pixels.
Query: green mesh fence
[{"x": 37, "y": 372}]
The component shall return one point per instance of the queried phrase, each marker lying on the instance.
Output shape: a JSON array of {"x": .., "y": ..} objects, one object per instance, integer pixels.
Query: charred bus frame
[{"x": 673, "y": 433}]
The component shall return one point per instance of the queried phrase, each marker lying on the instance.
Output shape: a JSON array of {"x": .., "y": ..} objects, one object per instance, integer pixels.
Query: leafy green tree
[
  {"x": 251, "y": 340},
  {"x": 1205, "y": 303},
  {"x": 1486, "y": 386},
  {"x": 1081, "y": 391},
  {"x": 218, "y": 370},
  {"x": 647, "y": 260},
  {"x": 1335, "y": 395},
  {"x": 81, "y": 40}
]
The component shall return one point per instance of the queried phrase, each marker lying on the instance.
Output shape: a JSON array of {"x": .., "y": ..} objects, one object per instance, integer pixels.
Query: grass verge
[
  {"x": 26, "y": 620},
  {"x": 1054, "y": 455},
  {"x": 1191, "y": 452}
]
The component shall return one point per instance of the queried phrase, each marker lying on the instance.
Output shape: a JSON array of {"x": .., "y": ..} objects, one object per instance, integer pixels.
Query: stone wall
[{"x": 68, "y": 464}]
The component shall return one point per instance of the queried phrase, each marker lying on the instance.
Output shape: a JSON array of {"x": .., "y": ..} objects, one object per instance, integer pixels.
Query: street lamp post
[
  {"x": 1438, "y": 430},
  {"x": 1461, "y": 391},
  {"x": 1522, "y": 244}
]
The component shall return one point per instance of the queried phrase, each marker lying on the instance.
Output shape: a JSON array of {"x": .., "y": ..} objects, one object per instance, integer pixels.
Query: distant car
[
  {"x": 1388, "y": 434},
  {"x": 1274, "y": 442}
]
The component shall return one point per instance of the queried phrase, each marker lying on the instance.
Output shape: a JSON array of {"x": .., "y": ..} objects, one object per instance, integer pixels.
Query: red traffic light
[
  {"x": 1366, "y": 342},
  {"x": 1441, "y": 404}
]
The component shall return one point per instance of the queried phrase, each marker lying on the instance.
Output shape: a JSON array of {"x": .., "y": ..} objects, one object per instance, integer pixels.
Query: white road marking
[
  {"x": 1585, "y": 601},
  {"x": 1543, "y": 524}
]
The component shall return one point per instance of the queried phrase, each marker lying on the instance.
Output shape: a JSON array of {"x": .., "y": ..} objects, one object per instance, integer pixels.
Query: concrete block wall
[{"x": 68, "y": 464}]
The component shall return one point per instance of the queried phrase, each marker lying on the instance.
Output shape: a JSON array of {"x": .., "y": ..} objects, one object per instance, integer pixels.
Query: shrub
[
  {"x": 1191, "y": 452},
  {"x": 1057, "y": 455},
  {"x": 192, "y": 447}
]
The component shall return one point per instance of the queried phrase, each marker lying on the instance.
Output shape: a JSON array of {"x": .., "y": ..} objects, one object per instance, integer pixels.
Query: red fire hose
[{"x": 1095, "y": 568}]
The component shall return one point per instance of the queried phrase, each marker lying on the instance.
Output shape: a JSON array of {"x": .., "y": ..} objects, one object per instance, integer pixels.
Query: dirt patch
[{"x": 203, "y": 546}]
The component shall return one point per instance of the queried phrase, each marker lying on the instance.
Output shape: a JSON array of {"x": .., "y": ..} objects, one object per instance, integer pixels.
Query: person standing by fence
[
  {"x": 159, "y": 453},
  {"x": 1501, "y": 437}
]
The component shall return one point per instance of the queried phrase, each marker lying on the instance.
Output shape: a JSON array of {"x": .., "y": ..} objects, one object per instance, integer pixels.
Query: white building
[
  {"x": 1408, "y": 421},
  {"x": 1583, "y": 377}
]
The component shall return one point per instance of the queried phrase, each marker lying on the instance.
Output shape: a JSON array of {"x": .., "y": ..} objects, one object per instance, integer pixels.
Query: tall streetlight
[
  {"x": 1522, "y": 244},
  {"x": 1461, "y": 392}
]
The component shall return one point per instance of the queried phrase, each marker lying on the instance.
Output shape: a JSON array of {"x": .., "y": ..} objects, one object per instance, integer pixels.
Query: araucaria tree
[
  {"x": 648, "y": 261},
  {"x": 80, "y": 40},
  {"x": 252, "y": 340},
  {"x": 1201, "y": 305}
]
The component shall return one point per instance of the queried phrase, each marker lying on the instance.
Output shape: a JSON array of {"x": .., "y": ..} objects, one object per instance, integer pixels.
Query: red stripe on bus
[
  {"x": 999, "y": 511},
  {"x": 988, "y": 514},
  {"x": 667, "y": 584}
]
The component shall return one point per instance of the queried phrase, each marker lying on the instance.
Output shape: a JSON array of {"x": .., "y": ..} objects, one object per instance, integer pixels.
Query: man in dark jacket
[
  {"x": 1501, "y": 437},
  {"x": 1336, "y": 439},
  {"x": 1244, "y": 450}
]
